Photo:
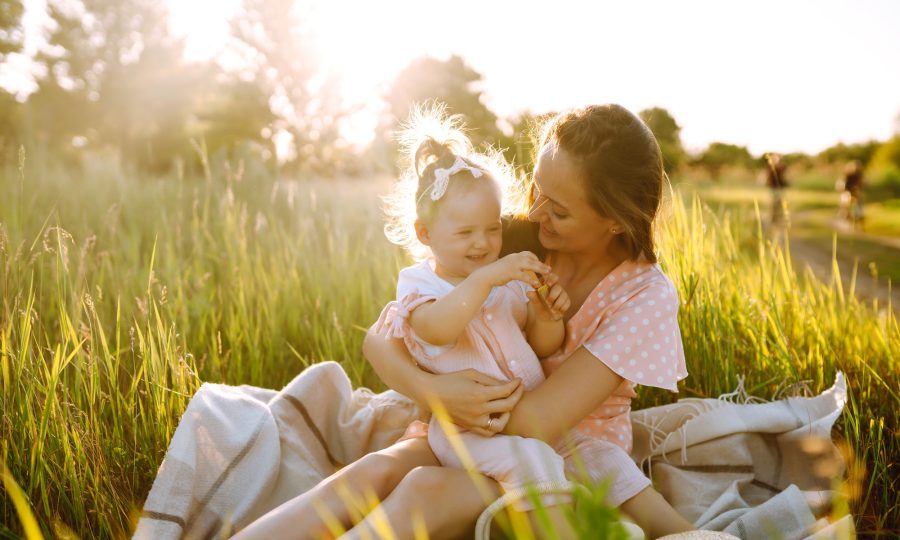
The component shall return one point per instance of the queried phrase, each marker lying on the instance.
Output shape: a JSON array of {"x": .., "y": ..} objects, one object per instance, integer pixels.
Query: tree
[
  {"x": 668, "y": 134},
  {"x": 11, "y": 34},
  {"x": 841, "y": 153},
  {"x": 114, "y": 76},
  {"x": 277, "y": 42},
  {"x": 11, "y": 37},
  {"x": 452, "y": 83},
  {"x": 236, "y": 112},
  {"x": 718, "y": 155}
]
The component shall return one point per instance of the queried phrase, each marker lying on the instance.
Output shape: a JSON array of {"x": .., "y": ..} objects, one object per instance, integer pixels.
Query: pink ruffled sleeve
[
  {"x": 394, "y": 322},
  {"x": 641, "y": 340}
]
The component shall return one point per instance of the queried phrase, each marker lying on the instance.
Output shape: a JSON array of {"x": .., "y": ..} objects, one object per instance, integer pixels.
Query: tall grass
[{"x": 121, "y": 293}]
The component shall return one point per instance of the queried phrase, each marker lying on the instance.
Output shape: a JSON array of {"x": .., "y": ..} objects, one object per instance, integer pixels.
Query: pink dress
[{"x": 493, "y": 343}]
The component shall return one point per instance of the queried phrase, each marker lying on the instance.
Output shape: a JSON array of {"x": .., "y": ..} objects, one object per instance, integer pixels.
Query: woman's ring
[{"x": 490, "y": 424}]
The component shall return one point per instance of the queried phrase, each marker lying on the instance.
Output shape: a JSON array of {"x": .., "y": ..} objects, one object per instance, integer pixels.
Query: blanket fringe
[{"x": 740, "y": 395}]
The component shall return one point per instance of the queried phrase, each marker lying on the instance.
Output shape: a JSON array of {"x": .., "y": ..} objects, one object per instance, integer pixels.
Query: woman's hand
[{"x": 472, "y": 398}]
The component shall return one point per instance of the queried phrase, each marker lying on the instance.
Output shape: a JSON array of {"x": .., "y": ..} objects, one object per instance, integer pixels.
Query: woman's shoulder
[{"x": 638, "y": 282}]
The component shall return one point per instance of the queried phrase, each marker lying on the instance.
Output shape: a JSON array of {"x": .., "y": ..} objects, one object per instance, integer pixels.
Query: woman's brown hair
[{"x": 622, "y": 167}]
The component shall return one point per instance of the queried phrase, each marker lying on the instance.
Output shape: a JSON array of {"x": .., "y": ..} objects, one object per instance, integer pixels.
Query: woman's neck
[
  {"x": 587, "y": 268},
  {"x": 579, "y": 273}
]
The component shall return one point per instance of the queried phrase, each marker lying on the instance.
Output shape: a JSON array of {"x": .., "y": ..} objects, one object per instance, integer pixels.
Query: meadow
[{"x": 122, "y": 293}]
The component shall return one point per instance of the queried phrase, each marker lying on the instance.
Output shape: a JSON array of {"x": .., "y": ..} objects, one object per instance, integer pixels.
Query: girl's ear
[{"x": 422, "y": 233}]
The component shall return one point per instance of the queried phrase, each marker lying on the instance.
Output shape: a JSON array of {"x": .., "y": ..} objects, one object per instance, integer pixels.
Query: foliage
[
  {"x": 718, "y": 155},
  {"x": 668, "y": 134},
  {"x": 116, "y": 303},
  {"x": 10, "y": 126},
  {"x": 115, "y": 78},
  {"x": 841, "y": 153},
  {"x": 276, "y": 39},
  {"x": 451, "y": 82},
  {"x": 526, "y": 139},
  {"x": 11, "y": 34}
]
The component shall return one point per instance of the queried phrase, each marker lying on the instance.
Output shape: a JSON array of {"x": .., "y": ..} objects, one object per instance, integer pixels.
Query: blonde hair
[{"x": 433, "y": 139}]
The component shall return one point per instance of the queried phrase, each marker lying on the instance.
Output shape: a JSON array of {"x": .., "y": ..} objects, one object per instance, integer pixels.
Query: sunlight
[{"x": 203, "y": 24}]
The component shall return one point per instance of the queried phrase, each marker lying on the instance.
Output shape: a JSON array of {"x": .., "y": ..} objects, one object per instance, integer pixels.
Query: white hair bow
[{"x": 442, "y": 177}]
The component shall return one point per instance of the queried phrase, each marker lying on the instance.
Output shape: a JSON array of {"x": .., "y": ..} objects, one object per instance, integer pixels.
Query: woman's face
[{"x": 561, "y": 206}]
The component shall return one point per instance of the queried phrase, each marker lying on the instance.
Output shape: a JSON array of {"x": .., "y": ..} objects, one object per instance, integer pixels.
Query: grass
[
  {"x": 121, "y": 294},
  {"x": 813, "y": 218}
]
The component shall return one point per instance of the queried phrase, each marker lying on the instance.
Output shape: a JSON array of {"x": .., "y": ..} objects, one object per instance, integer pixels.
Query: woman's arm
[
  {"x": 470, "y": 397},
  {"x": 572, "y": 391}
]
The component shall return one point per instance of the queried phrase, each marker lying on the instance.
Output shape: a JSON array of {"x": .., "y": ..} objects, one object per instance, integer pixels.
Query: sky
[{"x": 789, "y": 75}]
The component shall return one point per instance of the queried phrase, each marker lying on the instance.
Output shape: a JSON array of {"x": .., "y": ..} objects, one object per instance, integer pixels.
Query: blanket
[{"x": 240, "y": 451}]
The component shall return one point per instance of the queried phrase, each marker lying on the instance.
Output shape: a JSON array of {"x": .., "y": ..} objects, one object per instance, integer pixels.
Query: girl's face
[
  {"x": 568, "y": 221},
  {"x": 465, "y": 233}
]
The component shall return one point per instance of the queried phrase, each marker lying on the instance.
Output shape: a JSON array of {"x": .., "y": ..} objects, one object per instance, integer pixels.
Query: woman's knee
[
  {"x": 376, "y": 471},
  {"x": 425, "y": 480}
]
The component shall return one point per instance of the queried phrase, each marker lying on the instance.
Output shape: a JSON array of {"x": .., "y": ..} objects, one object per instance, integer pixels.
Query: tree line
[{"x": 111, "y": 77}]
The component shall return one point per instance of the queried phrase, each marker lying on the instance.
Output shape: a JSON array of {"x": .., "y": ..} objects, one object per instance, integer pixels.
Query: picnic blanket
[{"x": 240, "y": 451}]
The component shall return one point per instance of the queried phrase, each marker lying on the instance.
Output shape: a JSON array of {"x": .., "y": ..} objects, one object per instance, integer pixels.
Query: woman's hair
[
  {"x": 622, "y": 167},
  {"x": 429, "y": 141}
]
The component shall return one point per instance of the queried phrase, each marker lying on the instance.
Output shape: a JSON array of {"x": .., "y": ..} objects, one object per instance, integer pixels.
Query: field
[{"x": 120, "y": 294}]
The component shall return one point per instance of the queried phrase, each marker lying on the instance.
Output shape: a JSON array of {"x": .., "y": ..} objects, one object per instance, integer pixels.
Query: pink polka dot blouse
[{"x": 629, "y": 322}]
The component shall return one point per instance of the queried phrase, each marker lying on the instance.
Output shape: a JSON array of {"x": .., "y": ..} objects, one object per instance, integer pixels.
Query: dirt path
[{"x": 819, "y": 260}]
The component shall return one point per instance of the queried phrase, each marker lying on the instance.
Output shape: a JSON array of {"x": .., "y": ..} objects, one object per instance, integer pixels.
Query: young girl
[{"x": 463, "y": 307}]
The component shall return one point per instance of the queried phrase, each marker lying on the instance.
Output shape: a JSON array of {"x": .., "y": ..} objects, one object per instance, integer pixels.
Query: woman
[{"x": 597, "y": 188}]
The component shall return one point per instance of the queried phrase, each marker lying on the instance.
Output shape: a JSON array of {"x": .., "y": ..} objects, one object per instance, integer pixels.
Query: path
[{"x": 805, "y": 253}]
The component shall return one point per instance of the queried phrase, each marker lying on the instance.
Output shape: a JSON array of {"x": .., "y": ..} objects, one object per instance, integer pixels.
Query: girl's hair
[
  {"x": 433, "y": 140},
  {"x": 622, "y": 167}
]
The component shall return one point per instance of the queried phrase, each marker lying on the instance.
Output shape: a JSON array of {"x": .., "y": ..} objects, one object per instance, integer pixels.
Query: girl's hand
[
  {"x": 472, "y": 398},
  {"x": 516, "y": 266},
  {"x": 552, "y": 305}
]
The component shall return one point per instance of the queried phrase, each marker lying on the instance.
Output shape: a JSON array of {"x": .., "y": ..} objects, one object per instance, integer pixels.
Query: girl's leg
[
  {"x": 444, "y": 502},
  {"x": 654, "y": 514},
  {"x": 338, "y": 498}
]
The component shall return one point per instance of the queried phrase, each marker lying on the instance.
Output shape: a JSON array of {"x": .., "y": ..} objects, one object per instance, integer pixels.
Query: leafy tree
[
  {"x": 668, "y": 134},
  {"x": 888, "y": 153},
  {"x": 452, "y": 83},
  {"x": 718, "y": 155},
  {"x": 11, "y": 34},
  {"x": 234, "y": 113},
  {"x": 276, "y": 40},
  {"x": 115, "y": 77},
  {"x": 10, "y": 126},
  {"x": 841, "y": 153},
  {"x": 525, "y": 139}
]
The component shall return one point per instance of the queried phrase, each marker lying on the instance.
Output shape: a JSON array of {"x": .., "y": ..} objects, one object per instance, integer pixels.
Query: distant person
[
  {"x": 851, "y": 205},
  {"x": 776, "y": 182}
]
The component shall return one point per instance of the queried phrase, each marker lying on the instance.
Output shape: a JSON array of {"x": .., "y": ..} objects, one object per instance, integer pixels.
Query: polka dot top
[{"x": 629, "y": 322}]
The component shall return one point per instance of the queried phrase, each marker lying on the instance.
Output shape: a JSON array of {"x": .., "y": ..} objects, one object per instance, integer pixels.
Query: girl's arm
[
  {"x": 545, "y": 329},
  {"x": 442, "y": 321},
  {"x": 470, "y": 397},
  {"x": 577, "y": 387}
]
